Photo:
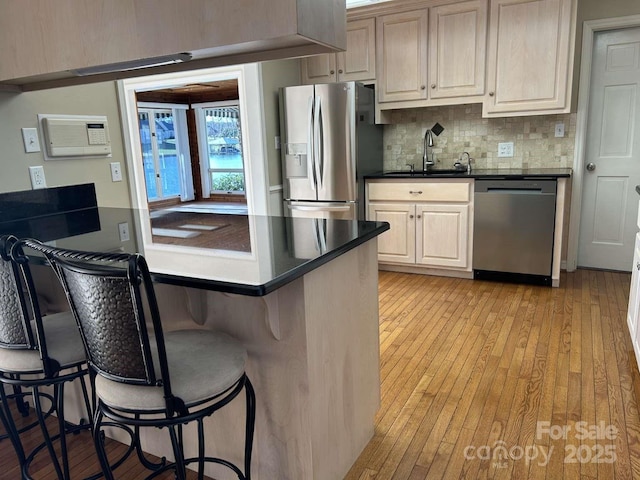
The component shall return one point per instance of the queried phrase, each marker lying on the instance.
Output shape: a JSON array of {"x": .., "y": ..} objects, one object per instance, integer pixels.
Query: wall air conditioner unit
[{"x": 75, "y": 136}]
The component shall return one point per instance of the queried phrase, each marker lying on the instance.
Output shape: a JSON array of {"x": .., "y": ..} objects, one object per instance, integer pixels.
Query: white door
[{"x": 612, "y": 159}]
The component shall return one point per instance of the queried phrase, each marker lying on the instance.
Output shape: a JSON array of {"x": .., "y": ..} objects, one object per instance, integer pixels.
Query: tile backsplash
[{"x": 534, "y": 141}]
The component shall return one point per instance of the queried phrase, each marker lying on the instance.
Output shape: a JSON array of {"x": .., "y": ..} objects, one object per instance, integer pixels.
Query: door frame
[
  {"x": 590, "y": 28},
  {"x": 251, "y": 103}
]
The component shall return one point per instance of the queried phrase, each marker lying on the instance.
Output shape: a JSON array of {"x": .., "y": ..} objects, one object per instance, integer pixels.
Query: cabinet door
[
  {"x": 634, "y": 300},
  {"x": 457, "y": 49},
  {"x": 401, "y": 48},
  {"x": 529, "y": 57},
  {"x": 397, "y": 244},
  {"x": 359, "y": 61},
  {"x": 442, "y": 235},
  {"x": 319, "y": 69}
]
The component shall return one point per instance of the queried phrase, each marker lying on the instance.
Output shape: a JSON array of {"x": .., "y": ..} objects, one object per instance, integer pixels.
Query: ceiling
[
  {"x": 222, "y": 87},
  {"x": 218, "y": 91}
]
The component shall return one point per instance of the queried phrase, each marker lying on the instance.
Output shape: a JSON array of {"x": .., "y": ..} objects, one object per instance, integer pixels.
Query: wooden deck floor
[{"x": 468, "y": 367}]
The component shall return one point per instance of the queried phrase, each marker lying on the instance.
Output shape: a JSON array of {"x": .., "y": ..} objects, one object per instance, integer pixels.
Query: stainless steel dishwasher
[{"x": 513, "y": 229}]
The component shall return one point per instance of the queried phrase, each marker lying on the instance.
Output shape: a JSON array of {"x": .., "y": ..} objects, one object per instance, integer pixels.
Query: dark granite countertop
[
  {"x": 501, "y": 173},
  {"x": 294, "y": 247}
]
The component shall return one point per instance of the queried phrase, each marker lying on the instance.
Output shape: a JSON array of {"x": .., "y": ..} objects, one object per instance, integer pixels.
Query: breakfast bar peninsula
[{"x": 301, "y": 295}]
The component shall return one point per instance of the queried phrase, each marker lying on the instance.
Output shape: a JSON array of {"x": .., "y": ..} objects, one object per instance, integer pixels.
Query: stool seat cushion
[
  {"x": 64, "y": 345},
  {"x": 202, "y": 364}
]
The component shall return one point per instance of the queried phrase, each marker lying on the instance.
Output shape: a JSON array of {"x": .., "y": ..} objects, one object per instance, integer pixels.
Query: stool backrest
[
  {"x": 107, "y": 305},
  {"x": 19, "y": 307},
  {"x": 15, "y": 328},
  {"x": 107, "y": 292}
]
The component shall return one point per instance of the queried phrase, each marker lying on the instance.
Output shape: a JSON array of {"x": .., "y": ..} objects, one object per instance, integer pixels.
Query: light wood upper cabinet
[
  {"x": 357, "y": 63},
  {"x": 457, "y": 49},
  {"x": 530, "y": 57},
  {"x": 401, "y": 45},
  {"x": 319, "y": 69}
]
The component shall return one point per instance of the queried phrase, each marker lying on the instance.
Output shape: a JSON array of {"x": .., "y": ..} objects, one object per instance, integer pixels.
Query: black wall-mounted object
[
  {"x": 437, "y": 129},
  {"x": 50, "y": 213}
]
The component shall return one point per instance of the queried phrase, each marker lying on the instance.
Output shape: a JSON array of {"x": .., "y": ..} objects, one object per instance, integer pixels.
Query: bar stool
[
  {"x": 150, "y": 378},
  {"x": 36, "y": 352}
]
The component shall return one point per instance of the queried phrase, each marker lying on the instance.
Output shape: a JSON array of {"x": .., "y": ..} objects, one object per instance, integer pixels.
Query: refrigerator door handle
[
  {"x": 318, "y": 138},
  {"x": 316, "y": 235},
  {"x": 310, "y": 146},
  {"x": 304, "y": 208},
  {"x": 322, "y": 234}
]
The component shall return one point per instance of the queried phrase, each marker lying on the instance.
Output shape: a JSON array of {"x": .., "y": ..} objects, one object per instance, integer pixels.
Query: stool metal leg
[
  {"x": 45, "y": 431},
  {"x": 10, "y": 426},
  {"x": 200, "y": 448},
  {"x": 181, "y": 473},
  {"x": 250, "y": 426},
  {"x": 98, "y": 440},
  {"x": 59, "y": 396}
]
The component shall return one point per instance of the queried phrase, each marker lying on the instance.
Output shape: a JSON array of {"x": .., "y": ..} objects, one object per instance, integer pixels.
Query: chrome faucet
[
  {"x": 461, "y": 166},
  {"x": 428, "y": 143}
]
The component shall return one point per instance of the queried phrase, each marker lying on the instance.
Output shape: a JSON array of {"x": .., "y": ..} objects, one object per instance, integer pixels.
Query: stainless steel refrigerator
[{"x": 329, "y": 142}]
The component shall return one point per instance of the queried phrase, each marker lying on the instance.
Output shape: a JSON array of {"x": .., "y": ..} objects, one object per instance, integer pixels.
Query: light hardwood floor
[
  {"x": 468, "y": 366},
  {"x": 471, "y": 364}
]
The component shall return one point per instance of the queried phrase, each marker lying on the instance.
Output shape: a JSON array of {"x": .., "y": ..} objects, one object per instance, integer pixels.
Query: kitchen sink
[{"x": 429, "y": 173}]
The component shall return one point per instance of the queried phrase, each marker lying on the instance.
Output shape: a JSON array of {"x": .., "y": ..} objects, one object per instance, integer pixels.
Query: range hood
[{"x": 76, "y": 42}]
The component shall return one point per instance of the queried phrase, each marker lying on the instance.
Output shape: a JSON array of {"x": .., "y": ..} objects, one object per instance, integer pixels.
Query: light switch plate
[
  {"x": 505, "y": 149},
  {"x": 123, "y": 231},
  {"x": 30, "y": 139},
  {"x": 116, "y": 172}
]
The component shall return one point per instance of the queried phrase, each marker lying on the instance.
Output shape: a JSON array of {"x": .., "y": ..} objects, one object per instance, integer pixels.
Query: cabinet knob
[
  {"x": 433, "y": 85},
  {"x": 332, "y": 72},
  {"x": 422, "y": 87},
  {"x": 410, "y": 216},
  {"x": 419, "y": 216},
  {"x": 419, "y": 192},
  {"x": 491, "y": 94},
  {"x": 340, "y": 71}
]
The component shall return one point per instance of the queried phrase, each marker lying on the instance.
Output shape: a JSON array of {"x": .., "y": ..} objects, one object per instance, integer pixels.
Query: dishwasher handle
[
  {"x": 531, "y": 186},
  {"x": 515, "y": 191}
]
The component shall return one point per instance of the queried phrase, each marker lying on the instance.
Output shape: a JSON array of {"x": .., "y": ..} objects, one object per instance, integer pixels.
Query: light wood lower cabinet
[
  {"x": 442, "y": 235},
  {"x": 397, "y": 244},
  {"x": 430, "y": 223},
  {"x": 633, "y": 312}
]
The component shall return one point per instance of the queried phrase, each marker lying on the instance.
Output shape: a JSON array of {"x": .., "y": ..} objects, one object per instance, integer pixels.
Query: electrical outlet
[
  {"x": 116, "y": 172},
  {"x": 30, "y": 139},
  {"x": 505, "y": 149},
  {"x": 37, "y": 177},
  {"x": 123, "y": 230},
  {"x": 559, "y": 130}
]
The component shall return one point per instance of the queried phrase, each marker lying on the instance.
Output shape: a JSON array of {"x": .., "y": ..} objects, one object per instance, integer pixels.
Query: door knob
[{"x": 591, "y": 166}]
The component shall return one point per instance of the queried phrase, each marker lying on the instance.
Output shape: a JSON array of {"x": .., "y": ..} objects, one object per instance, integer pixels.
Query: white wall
[{"x": 21, "y": 110}]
